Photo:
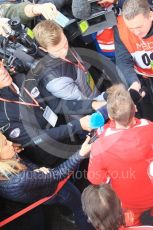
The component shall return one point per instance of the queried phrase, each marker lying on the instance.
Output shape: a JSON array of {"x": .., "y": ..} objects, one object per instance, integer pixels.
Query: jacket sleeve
[
  {"x": 124, "y": 60},
  {"x": 67, "y": 107},
  {"x": 64, "y": 88},
  {"x": 73, "y": 107},
  {"x": 15, "y": 132},
  {"x": 29, "y": 186},
  {"x": 120, "y": 3},
  {"x": 11, "y": 10},
  {"x": 26, "y": 127},
  {"x": 55, "y": 175},
  {"x": 28, "y": 134},
  {"x": 67, "y": 167}
]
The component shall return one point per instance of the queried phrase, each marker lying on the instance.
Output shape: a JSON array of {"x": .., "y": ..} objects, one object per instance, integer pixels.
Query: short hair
[
  {"x": 102, "y": 207},
  {"x": 120, "y": 105},
  {"x": 132, "y": 8},
  {"x": 47, "y": 33}
]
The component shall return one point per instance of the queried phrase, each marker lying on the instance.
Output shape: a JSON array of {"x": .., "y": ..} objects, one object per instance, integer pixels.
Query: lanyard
[
  {"x": 79, "y": 65},
  {"x": 35, "y": 104}
]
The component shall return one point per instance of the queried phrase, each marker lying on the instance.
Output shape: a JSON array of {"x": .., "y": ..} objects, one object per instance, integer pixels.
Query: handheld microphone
[{"x": 96, "y": 122}]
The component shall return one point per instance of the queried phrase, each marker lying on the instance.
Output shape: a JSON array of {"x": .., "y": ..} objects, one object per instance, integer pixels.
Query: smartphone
[
  {"x": 61, "y": 19},
  {"x": 93, "y": 138}
]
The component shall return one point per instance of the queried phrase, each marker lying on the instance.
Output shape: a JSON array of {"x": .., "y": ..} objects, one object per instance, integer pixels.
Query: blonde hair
[
  {"x": 47, "y": 33},
  {"x": 9, "y": 167},
  {"x": 120, "y": 105}
]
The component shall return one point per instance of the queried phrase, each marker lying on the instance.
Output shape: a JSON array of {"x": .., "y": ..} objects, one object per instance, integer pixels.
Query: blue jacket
[{"x": 29, "y": 186}]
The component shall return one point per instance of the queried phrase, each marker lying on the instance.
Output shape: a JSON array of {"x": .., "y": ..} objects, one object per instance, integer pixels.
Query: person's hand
[
  {"x": 85, "y": 121},
  {"x": 106, "y": 3},
  {"x": 98, "y": 104},
  {"x": 85, "y": 148},
  {"x": 137, "y": 86},
  {"x": 17, "y": 147},
  {"x": 5, "y": 78},
  {"x": 5, "y": 28},
  {"x": 42, "y": 169},
  {"x": 47, "y": 10}
]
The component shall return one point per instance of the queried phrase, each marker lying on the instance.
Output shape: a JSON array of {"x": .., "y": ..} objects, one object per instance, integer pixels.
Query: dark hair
[{"x": 102, "y": 206}]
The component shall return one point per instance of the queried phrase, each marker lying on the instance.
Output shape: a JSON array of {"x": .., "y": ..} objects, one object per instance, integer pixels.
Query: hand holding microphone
[{"x": 85, "y": 148}]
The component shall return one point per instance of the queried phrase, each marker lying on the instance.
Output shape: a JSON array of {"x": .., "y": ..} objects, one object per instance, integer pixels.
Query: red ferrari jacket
[{"x": 124, "y": 155}]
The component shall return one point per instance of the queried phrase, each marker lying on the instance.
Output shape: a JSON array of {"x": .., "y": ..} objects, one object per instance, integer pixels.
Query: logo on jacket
[
  {"x": 15, "y": 133},
  {"x": 35, "y": 92}
]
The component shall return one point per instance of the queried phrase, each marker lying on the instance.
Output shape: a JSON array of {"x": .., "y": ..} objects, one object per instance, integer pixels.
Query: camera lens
[{"x": 15, "y": 24}]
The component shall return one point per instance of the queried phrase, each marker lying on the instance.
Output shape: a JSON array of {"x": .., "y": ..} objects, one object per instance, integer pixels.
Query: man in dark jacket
[
  {"x": 26, "y": 124},
  {"x": 64, "y": 74}
]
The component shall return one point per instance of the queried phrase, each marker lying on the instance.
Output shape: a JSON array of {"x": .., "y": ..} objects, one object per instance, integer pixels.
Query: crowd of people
[{"x": 45, "y": 118}]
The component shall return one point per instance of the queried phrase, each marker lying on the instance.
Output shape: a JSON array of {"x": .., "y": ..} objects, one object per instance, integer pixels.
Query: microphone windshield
[
  {"x": 96, "y": 120},
  {"x": 81, "y": 9}
]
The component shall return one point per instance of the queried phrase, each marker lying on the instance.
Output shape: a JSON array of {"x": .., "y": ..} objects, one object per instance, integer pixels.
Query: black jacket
[{"x": 27, "y": 126}]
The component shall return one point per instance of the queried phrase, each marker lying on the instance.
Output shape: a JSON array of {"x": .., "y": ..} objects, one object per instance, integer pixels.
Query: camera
[
  {"x": 18, "y": 49},
  {"x": 22, "y": 35},
  {"x": 98, "y": 20}
]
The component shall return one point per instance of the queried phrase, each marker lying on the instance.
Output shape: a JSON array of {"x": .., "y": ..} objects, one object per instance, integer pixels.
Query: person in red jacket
[{"x": 123, "y": 153}]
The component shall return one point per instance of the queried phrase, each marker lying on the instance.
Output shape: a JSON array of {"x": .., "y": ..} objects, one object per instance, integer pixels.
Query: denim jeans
[{"x": 70, "y": 197}]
